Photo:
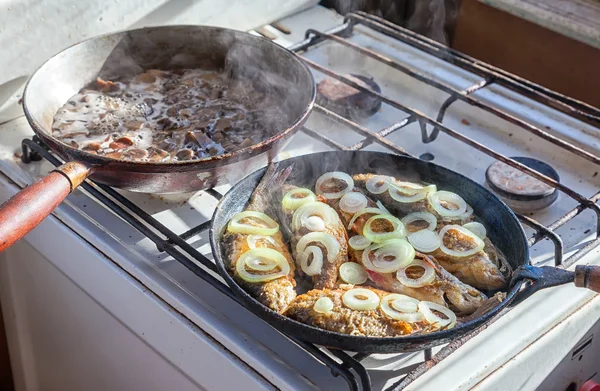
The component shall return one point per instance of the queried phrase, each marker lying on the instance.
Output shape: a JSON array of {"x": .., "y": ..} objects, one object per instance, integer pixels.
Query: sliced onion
[
  {"x": 426, "y": 279},
  {"x": 424, "y": 241},
  {"x": 426, "y": 308},
  {"x": 315, "y": 223},
  {"x": 236, "y": 227},
  {"x": 359, "y": 242},
  {"x": 342, "y": 176},
  {"x": 399, "y": 307},
  {"x": 317, "y": 260},
  {"x": 406, "y": 305},
  {"x": 353, "y": 273},
  {"x": 323, "y": 305},
  {"x": 257, "y": 259},
  {"x": 303, "y": 214},
  {"x": 375, "y": 211},
  {"x": 378, "y": 184},
  {"x": 327, "y": 240},
  {"x": 380, "y": 237},
  {"x": 399, "y": 194},
  {"x": 401, "y": 252},
  {"x": 383, "y": 208},
  {"x": 353, "y": 201},
  {"x": 467, "y": 214},
  {"x": 427, "y": 217},
  {"x": 477, "y": 228},
  {"x": 474, "y": 239},
  {"x": 253, "y": 240},
  {"x": 449, "y": 197},
  {"x": 298, "y": 197},
  {"x": 261, "y": 264},
  {"x": 360, "y": 299},
  {"x": 410, "y": 188}
]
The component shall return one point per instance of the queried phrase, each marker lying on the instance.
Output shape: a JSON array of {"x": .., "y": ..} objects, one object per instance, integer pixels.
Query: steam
[
  {"x": 276, "y": 74},
  {"x": 432, "y": 17}
]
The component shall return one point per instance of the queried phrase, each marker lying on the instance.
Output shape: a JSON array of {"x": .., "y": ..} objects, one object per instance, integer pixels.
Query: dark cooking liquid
[{"x": 165, "y": 116}]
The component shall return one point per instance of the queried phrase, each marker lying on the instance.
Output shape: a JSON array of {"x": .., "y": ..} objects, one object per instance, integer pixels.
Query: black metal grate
[{"x": 347, "y": 366}]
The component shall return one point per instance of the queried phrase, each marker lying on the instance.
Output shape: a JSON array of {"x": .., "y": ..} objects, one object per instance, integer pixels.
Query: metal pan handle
[
  {"x": 585, "y": 276},
  {"x": 26, "y": 209}
]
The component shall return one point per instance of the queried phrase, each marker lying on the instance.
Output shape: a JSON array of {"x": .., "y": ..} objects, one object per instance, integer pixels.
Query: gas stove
[{"x": 438, "y": 105}]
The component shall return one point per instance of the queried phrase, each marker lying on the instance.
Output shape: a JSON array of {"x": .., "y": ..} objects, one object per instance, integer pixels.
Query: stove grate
[{"x": 341, "y": 363}]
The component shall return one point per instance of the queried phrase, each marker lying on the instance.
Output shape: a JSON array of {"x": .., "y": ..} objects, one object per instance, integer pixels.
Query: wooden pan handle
[
  {"x": 26, "y": 209},
  {"x": 587, "y": 276}
]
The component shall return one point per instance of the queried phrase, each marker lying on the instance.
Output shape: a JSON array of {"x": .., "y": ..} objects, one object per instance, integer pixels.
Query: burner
[
  {"x": 517, "y": 189},
  {"x": 347, "y": 101}
]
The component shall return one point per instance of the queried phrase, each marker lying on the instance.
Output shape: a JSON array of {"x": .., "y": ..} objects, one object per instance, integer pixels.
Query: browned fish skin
[
  {"x": 341, "y": 319},
  {"x": 400, "y": 209},
  {"x": 446, "y": 289},
  {"x": 328, "y": 277},
  {"x": 275, "y": 294},
  {"x": 477, "y": 270}
]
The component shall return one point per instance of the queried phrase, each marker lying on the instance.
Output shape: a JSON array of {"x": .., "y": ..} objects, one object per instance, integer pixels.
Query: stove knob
[{"x": 590, "y": 385}]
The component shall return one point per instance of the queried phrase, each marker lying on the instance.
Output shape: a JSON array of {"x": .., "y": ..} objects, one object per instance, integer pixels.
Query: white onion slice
[
  {"x": 353, "y": 273},
  {"x": 317, "y": 260},
  {"x": 426, "y": 279},
  {"x": 399, "y": 195},
  {"x": 398, "y": 231},
  {"x": 476, "y": 243},
  {"x": 427, "y": 217},
  {"x": 236, "y": 227},
  {"x": 305, "y": 212},
  {"x": 410, "y": 188},
  {"x": 327, "y": 240},
  {"x": 436, "y": 198},
  {"x": 253, "y": 240},
  {"x": 393, "y": 304},
  {"x": 298, "y": 197},
  {"x": 261, "y": 256},
  {"x": 406, "y": 305},
  {"x": 467, "y": 214},
  {"x": 401, "y": 252},
  {"x": 323, "y": 305},
  {"x": 375, "y": 211},
  {"x": 360, "y": 299},
  {"x": 342, "y": 176},
  {"x": 426, "y": 308},
  {"x": 383, "y": 208},
  {"x": 424, "y": 241},
  {"x": 378, "y": 184},
  {"x": 315, "y": 223},
  {"x": 477, "y": 228},
  {"x": 353, "y": 201},
  {"x": 359, "y": 242},
  {"x": 261, "y": 264}
]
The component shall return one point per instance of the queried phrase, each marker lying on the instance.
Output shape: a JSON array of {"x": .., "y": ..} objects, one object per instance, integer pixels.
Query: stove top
[{"x": 483, "y": 114}]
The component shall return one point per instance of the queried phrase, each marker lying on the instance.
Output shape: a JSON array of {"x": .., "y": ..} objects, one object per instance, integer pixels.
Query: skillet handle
[
  {"x": 587, "y": 276},
  {"x": 26, "y": 209}
]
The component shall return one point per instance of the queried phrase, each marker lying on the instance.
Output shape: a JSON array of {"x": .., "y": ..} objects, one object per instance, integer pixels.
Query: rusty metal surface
[{"x": 129, "y": 52}]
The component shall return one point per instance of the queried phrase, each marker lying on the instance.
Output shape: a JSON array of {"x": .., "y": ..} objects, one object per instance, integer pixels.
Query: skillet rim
[{"x": 348, "y": 342}]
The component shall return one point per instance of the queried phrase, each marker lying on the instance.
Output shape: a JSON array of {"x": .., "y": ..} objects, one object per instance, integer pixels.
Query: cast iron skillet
[
  {"x": 269, "y": 66},
  {"x": 502, "y": 225}
]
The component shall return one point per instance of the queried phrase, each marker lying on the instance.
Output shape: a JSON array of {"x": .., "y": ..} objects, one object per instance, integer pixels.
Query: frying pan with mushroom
[{"x": 270, "y": 67}]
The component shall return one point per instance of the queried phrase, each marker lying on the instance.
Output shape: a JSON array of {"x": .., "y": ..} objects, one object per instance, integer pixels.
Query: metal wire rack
[{"x": 342, "y": 363}]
